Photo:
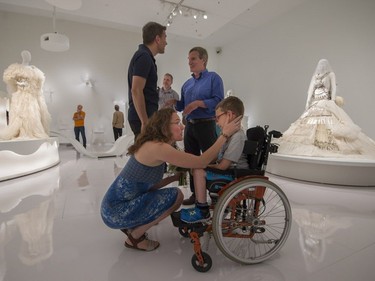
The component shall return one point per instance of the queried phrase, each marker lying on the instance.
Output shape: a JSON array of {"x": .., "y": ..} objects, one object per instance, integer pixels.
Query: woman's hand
[{"x": 232, "y": 127}]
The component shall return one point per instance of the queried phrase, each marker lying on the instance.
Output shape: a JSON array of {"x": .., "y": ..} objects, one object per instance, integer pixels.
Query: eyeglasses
[{"x": 218, "y": 116}]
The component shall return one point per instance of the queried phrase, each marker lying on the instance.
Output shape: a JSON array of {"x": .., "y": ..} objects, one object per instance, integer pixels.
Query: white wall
[
  {"x": 270, "y": 68},
  {"x": 103, "y": 54}
]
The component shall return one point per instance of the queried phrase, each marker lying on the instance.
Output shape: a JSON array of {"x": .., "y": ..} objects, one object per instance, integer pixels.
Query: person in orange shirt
[{"x": 79, "y": 124}]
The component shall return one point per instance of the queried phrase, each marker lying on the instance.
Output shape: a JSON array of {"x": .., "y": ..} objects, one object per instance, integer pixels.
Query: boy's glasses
[{"x": 218, "y": 116}]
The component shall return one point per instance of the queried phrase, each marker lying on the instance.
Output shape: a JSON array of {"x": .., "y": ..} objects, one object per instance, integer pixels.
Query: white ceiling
[{"x": 227, "y": 19}]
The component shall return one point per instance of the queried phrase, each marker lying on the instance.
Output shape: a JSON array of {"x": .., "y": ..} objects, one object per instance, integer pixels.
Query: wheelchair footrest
[{"x": 177, "y": 222}]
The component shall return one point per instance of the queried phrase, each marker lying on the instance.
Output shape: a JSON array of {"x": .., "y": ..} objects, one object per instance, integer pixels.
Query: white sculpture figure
[
  {"x": 324, "y": 129},
  {"x": 229, "y": 93},
  {"x": 28, "y": 114}
]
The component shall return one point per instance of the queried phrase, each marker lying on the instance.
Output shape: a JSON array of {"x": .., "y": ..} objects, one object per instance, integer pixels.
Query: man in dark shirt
[{"x": 142, "y": 76}]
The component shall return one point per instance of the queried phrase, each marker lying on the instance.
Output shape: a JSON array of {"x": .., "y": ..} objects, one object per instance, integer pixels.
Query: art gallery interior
[{"x": 266, "y": 52}]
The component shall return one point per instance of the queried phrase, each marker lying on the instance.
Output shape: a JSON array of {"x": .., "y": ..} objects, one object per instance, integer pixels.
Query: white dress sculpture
[
  {"x": 324, "y": 129},
  {"x": 28, "y": 114}
]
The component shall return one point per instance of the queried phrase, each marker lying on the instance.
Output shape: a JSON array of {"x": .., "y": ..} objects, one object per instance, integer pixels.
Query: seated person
[
  {"x": 136, "y": 201},
  {"x": 230, "y": 155}
]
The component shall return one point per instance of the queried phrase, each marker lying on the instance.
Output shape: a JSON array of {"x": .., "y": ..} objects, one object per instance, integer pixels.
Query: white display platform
[
  {"x": 12, "y": 193},
  {"x": 119, "y": 148},
  {"x": 24, "y": 157},
  {"x": 337, "y": 171}
]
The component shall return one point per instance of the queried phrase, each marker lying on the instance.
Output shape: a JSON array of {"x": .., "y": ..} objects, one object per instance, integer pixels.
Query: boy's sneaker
[{"x": 194, "y": 215}]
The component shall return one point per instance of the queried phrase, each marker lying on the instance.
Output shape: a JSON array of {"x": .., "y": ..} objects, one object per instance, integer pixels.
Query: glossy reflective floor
[{"x": 50, "y": 229}]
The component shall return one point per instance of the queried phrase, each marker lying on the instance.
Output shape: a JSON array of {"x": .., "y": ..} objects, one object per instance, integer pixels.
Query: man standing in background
[
  {"x": 117, "y": 122},
  {"x": 79, "y": 124},
  {"x": 166, "y": 93},
  {"x": 143, "y": 78}
]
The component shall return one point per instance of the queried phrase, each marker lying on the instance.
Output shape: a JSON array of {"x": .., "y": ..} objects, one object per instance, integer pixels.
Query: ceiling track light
[{"x": 179, "y": 9}]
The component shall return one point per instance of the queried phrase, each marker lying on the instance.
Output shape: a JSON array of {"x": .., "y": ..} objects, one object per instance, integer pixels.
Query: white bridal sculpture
[
  {"x": 28, "y": 114},
  {"x": 25, "y": 145},
  {"x": 325, "y": 135}
]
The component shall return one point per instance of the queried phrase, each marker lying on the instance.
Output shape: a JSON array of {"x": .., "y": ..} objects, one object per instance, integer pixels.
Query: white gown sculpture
[
  {"x": 324, "y": 129},
  {"x": 28, "y": 114}
]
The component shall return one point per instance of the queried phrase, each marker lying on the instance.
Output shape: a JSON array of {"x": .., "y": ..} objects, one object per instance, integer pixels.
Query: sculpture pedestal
[
  {"x": 337, "y": 171},
  {"x": 24, "y": 157}
]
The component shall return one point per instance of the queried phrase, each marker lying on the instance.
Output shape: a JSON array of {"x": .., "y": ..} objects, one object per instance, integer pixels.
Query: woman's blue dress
[{"x": 129, "y": 202}]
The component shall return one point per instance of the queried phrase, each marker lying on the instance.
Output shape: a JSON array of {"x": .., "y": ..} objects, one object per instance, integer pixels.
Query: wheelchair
[{"x": 250, "y": 216}]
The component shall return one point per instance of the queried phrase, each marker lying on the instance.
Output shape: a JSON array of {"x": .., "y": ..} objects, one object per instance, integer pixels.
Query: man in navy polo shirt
[{"x": 143, "y": 78}]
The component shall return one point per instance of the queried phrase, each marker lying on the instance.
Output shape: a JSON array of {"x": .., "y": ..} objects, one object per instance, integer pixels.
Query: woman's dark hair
[{"x": 156, "y": 129}]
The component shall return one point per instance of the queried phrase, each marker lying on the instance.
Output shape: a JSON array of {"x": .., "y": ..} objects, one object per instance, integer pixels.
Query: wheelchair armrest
[{"x": 276, "y": 134}]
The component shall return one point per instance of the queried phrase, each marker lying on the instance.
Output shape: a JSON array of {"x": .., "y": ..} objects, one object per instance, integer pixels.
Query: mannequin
[
  {"x": 324, "y": 129},
  {"x": 26, "y": 57},
  {"x": 28, "y": 114}
]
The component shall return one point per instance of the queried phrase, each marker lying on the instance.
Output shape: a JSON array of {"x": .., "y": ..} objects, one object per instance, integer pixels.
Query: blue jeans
[{"x": 81, "y": 130}]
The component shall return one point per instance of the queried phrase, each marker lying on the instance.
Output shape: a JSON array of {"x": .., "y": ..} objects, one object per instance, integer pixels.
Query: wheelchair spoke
[{"x": 251, "y": 221}]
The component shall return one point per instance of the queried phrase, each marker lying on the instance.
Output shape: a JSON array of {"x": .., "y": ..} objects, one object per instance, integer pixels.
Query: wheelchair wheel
[
  {"x": 206, "y": 265},
  {"x": 251, "y": 221}
]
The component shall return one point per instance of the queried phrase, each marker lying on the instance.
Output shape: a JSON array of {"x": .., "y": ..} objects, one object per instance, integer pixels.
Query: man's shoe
[
  {"x": 194, "y": 215},
  {"x": 189, "y": 201}
]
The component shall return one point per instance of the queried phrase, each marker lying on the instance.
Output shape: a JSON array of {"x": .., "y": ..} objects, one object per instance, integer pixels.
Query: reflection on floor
[{"x": 50, "y": 229}]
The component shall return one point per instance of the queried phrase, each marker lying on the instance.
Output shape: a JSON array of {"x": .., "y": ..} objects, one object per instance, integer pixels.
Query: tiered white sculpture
[
  {"x": 324, "y": 129},
  {"x": 324, "y": 145}
]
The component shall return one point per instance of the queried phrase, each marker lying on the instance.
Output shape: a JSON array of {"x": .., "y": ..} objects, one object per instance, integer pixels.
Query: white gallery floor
[{"x": 51, "y": 229}]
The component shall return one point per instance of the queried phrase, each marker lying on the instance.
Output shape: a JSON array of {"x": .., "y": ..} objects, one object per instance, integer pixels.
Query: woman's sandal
[{"x": 151, "y": 244}]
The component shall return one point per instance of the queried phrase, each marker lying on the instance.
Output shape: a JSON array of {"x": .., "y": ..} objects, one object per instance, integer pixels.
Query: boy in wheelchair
[{"x": 230, "y": 155}]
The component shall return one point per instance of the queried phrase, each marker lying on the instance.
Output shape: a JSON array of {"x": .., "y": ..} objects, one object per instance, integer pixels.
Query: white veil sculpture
[
  {"x": 28, "y": 113},
  {"x": 324, "y": 145},
  {"x": 324, "y": 129}
]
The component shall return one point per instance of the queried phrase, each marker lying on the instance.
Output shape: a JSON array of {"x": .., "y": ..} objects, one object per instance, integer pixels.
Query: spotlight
[{"x": 179, "y": 9}]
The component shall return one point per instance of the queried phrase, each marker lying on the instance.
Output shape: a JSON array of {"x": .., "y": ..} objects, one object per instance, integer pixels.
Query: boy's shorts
[{"x": 220, "y": 179}]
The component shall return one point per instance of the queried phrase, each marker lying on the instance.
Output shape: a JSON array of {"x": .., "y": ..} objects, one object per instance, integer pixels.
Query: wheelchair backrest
[{"x": 254, "y": 147}]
